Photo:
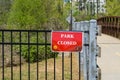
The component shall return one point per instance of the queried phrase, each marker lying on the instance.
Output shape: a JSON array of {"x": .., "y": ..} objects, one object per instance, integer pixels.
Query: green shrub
[
  {"x": 33, "y": 53},
  {"x": 35, "y": 56}
]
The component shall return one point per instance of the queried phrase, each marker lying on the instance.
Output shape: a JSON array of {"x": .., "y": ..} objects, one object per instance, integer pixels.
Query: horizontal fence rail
[
  {"x": 110, "y": 25},
  {"x": 26, "y": 55}
]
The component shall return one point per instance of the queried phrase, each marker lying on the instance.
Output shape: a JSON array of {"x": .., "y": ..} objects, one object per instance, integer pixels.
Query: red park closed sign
[{"x": 67, "y": 41}]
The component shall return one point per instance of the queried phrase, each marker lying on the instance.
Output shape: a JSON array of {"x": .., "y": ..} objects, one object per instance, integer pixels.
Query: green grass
[{"x": 50, "y": 70}]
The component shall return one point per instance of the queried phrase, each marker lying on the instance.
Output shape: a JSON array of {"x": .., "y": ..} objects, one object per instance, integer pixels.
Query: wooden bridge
[{"x": 110, "y": 25}]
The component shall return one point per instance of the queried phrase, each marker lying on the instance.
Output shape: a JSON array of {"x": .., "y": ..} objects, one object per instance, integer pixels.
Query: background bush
[
  {"x": 34, "y": 53},
  {"x": 35, "y": 56}
]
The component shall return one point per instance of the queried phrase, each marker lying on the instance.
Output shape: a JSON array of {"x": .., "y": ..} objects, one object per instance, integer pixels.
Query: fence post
[
  {"x": 85, "y": 50},
  {"x": 92, "y": 50}
]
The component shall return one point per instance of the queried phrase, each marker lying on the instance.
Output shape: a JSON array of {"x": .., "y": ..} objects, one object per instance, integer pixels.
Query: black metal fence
[{"x": 26, "y": 55}]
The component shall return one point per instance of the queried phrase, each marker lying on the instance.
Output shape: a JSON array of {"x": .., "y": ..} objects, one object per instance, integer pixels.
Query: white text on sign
[
  {"x": 67, "y": 36},
  {"x": 67, "y": 43}
]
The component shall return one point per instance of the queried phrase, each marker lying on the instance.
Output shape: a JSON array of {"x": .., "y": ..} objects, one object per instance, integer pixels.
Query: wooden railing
[{"x": 110, "y": 25}]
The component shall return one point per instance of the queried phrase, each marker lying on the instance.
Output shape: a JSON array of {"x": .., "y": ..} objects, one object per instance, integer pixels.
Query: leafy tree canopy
[
  {"x": 26, "y": 14},
  {"x": 37, "y": 14},
  {"x": 113, "y": 7}
]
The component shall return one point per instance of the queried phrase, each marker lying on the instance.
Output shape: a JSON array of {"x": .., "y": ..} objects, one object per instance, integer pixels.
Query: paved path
[{"x": 110, "y": 57}]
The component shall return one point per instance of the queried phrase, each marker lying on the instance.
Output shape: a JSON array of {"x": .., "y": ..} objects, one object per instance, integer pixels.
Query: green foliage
[
  {"x": 30, "y": 53},
  {"x": 26, "y": 14},
  {"x": 37, "y": 14},
  {"x": 35, "y": 53},
  {"x": 113, "y": 8},
  {"x": 58, "y": 15},
  {"x": 4, "y": 9},
  {"x": 85, "y": 12}
]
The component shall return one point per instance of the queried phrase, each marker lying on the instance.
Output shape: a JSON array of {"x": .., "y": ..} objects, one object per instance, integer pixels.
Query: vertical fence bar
[
  {"x": 71, "y": 66},
  {"x": 79, "y": 66},
  {"x": 63, "y": 66},
  {"x": 3, "y": 55},
  {"x": 20, "y": 55},
  {"x": 54, "y": 66},
  {"x": 28, "y": 55},
  {"x": 20, "y": 43},
  {"x": 37, "y": 59},
  {"x": 11, "y": 55},
  {"x": 45, "y": 55}
]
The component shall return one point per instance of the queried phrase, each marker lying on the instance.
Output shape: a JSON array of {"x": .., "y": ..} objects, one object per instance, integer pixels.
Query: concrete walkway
[{"x": 110, "y": 57}]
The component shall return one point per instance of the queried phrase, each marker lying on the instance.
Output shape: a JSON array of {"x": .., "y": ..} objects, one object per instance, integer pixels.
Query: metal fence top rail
[
  {"x": 26, "y": 30},
  {"x": 15, "y": 30}
]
